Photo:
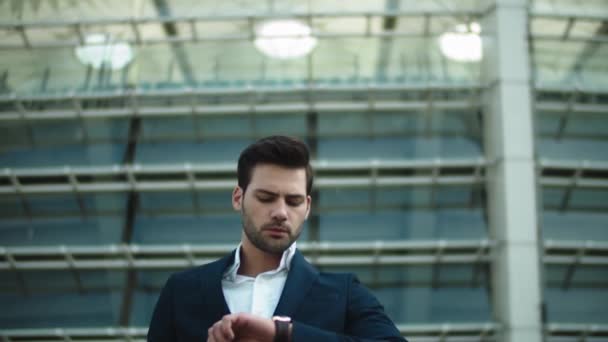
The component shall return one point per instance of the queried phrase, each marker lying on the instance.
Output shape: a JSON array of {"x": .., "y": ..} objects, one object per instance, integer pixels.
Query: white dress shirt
[{"x": 257, "y": 295}]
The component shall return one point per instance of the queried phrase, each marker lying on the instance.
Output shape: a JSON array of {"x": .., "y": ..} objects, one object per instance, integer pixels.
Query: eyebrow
[{"x": 267, "y": 192}]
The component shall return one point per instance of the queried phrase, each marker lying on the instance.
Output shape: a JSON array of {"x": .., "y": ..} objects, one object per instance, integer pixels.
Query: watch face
[{"x": 281, "y": 318}]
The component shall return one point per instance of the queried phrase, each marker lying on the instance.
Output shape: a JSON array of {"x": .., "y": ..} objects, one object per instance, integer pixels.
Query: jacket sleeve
[
  {"x": 365, "y": 320},
  {"x": 162, "y": 328}
]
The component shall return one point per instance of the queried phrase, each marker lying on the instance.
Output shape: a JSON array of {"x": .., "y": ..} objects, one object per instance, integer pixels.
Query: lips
[{"x": 276, "y": 231}]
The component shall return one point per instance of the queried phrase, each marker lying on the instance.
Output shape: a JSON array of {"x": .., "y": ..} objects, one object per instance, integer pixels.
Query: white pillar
[{"x": 511, "y": 185}]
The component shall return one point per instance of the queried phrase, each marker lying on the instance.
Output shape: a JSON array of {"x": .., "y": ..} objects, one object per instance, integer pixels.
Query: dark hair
[{"x": 277, "y": 150}]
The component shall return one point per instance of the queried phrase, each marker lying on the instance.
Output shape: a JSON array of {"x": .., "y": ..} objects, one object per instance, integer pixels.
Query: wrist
[{"x": 283, "y": 328}]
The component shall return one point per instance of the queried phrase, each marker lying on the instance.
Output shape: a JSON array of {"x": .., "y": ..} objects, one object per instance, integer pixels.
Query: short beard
[{"x": 254, "y": 234}]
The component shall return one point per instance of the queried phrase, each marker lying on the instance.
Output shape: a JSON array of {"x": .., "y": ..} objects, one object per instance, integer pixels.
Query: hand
[{"x": 242, "y": 327}]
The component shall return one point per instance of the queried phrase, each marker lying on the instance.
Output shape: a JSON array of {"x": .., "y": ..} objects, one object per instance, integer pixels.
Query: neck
[{"x": 255, "y": 261}]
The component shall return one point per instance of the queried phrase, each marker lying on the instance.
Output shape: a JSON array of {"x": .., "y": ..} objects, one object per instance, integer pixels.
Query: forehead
[{"x": 278, "y": 179}]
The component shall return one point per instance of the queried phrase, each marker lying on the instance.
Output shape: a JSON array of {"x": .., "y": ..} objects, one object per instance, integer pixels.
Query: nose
[{"x": 279, "y": 212}]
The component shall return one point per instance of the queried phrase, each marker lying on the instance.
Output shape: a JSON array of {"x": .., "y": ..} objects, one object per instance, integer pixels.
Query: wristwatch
[{"x": 281, "y": 324}]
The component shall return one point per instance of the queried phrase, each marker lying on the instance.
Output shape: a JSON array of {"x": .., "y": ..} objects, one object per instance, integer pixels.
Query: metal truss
[
  {"x": 483, "y": 332},
  {"x": 189, "y": 177},
  {"x": 121, "y": 257},
  {"x": 418, "y": 332},
  {"x": 110, "y": 334},
  {"x": 582, "y": 332},
  {"x": 572, "y": 175},
  {"x": 576, "y": 253},
  {"x": 569, "y": 102},
  {"x": 78, "y": 28},
  {"x": 570, "y": 19},
  {"x": 258, "y": 100},
  {"x": 129, "y": 256}
]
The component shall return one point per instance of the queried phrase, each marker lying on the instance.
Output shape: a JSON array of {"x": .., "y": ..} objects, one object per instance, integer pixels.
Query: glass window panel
[
  {"x": 98, "y": 309},
  {"x": 153, "y": 280},
  {"x": 113, "y": 129},
  {"x": 61, "y": 231},
  {"x": 11, "y": 206},
  {"x": 453, "y": 196},
  {"x": 573, "y": 149},
  {"x": 392, "y": 225},
  {"x": 203, "y": 152},
  {"x": 290, "y": 124},
  {"x": 590, "y": 6},
  {"x": 15, "y": 134},
  {"x": 435, "y": 305},
  {"x": 344, "y": 124},
  {"x": 52, "y": 203},
  {"x": 575, "y": 225},
  {"x": 157, "y": 202},
  {"x": 66, "y": 281},
  {"x": 215, "y": 201},
  {"x": 577, "y": 305},
  {"x": 104, "y": 202},
  {"x": 583, "y": 276},
  {"x": 187, "y": 229},
  {"x": 403, "y": 197},
  {"x": 9, "y": 282},
  {"x": 574, "y": 127},
  {"x": 219, "y": 126},
  {"x": 59, "y": 156},
  {"x": 553, "y": 197},
  {"x": 343, "y": 198},
  {"x": 340, "y": 25},
  {"x": 397, "y": 148},
  {"x": 589, "y": 198},
  {"x": 286, "y": 70},
  {"x": 380, "y": 276},
  {"x": 168, "y": 128}
]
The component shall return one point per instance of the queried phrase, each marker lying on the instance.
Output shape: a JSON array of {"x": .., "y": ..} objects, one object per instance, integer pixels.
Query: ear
[
  {"x": 308, "y": 205},
  {"x": 237, "y": 198}
]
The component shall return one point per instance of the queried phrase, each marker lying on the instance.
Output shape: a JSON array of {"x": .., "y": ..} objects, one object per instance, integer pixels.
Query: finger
[
  {"x": 226, "y": 327},
  {"x": 216, "y": 332}
]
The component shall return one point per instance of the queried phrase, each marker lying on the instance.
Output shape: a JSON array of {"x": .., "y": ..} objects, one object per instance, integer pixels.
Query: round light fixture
[
  {"x": 463, "y": 44},
  {"x": 99, "y": 50},
  {"x": 284, "y": 39}
]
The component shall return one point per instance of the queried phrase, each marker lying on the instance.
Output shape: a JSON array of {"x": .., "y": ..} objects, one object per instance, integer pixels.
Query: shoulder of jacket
[{"x": 195, "y": 273}]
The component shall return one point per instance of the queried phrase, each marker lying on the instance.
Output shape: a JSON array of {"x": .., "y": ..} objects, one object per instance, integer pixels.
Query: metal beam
[
  {"x": 131, "y": 257},
  {"x": 170, "y": 28},
  {"x": 372, "y": 253},
  {"x": 238, "y": 100},
  {"x": 188, "y": 177},
  {"x": 253, "y": 18}
]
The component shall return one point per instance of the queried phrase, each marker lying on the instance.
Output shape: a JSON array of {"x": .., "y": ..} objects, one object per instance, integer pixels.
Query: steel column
[{"x": 511, "y": 182}]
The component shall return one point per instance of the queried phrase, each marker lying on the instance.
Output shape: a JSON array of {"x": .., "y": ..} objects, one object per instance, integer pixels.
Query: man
[{"x": 266, "y": 290}]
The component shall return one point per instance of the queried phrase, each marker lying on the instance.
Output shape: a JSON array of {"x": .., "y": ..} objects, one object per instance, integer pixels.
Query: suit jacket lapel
[
  {"x": 299, "y": 280},
  {"x": 215, "y": 303}
]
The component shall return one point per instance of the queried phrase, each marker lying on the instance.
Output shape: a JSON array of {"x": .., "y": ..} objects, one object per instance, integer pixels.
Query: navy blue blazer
[{"x": 323, "y": 306}]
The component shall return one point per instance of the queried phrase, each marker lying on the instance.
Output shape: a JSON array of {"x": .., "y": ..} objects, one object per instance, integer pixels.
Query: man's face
[{"x": 274, "y": 207}]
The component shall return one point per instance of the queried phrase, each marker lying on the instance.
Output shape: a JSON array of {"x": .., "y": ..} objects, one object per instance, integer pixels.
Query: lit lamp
[
  {"x": 99, "y": 50},
  {"x": 284, "y": 39},
  {"x": 462, "y": 45}
]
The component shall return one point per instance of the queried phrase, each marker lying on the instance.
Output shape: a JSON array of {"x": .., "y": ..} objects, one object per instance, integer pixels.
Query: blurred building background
[{"x": 461, "y": 154}]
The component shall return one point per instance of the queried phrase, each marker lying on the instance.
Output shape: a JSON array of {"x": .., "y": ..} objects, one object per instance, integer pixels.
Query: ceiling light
[
  {"x": 463, "y": 44},
  {"x": 284, "y": 39},
  {"x": 99, "y": 50}
]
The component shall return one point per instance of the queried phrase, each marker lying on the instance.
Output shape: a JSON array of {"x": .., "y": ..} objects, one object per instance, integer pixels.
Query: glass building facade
[{"x": 470, "y": 196}]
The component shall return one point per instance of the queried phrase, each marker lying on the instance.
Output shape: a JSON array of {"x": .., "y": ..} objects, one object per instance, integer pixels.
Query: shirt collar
[{"x": 284, "y": 264}]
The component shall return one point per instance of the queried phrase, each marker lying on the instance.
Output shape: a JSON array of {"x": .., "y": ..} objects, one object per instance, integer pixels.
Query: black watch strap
[{"x": 282, "y": 331}]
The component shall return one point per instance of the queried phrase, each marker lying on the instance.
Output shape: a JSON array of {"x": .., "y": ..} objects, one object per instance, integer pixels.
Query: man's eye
[
  {"x": 295, "y": 203},
  {"x": 265, "y": 199}
]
